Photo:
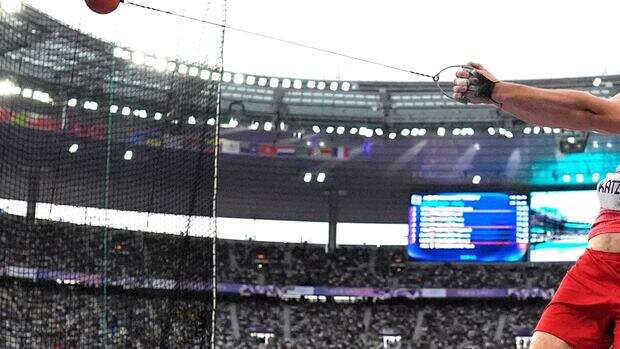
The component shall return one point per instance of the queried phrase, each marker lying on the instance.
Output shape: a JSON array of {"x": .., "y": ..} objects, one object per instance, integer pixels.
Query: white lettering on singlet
[{"x": 608, "y": 191}]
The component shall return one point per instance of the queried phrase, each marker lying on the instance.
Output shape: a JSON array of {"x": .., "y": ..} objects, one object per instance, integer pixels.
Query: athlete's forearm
[{"x": 569, "y": 109}]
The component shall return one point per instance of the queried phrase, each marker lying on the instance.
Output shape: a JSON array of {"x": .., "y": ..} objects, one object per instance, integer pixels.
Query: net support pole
[
  {"x": 33, "y": 193},
  {"x": 333, "y": 205}
]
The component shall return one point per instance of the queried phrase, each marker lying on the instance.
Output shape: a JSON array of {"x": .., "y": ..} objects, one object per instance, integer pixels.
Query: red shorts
[{"x": 585, "y": 311}]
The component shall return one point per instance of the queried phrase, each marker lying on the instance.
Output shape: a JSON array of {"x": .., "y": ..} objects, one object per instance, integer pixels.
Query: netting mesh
[{"x": 101, "y": 150}]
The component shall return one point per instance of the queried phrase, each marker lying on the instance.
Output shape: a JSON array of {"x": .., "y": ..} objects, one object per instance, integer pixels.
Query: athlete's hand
[{"x": 464, "y": 84}]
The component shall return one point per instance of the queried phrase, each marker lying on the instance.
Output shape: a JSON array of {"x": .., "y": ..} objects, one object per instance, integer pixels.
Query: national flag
[
  {"x": 341, "y": 152},
  {"x": 136, "y": 138},
  {"x": 267, "y": 149},
  {"x": 5, "y": 115},
  {"x": 286, "y": 149},
  {"x": 153, "y": 142},
  {"x": 325, "y": 152},
  {"x": 20, "y": 119},
  {"x": 249, "y": 148},
  {"x": 230, "y": 147}
]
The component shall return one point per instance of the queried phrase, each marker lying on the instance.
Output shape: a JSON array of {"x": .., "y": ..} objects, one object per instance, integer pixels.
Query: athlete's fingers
[
  {"x": 462, "y": 74},
  {"x": 475, "y": 65},
  {"x": 457, "y": 95},
  {"x": 461, "y": 82},
  {"x": 459, "y": 89},
  {"x": 473, "y": 81}
]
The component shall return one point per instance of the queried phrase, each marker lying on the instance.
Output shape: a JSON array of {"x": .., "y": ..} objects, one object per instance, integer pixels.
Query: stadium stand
[{"x": 55, "y": 313}]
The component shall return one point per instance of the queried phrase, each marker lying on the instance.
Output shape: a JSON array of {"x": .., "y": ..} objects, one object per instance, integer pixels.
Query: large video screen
[
  {"x": 485, "y": 227},
  {"x": 560, "y": 223}
]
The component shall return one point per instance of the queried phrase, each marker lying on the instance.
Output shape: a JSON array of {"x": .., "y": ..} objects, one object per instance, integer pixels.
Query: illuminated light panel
[
  {"x": 476, "y": 179},
  {"x": 297, "y": 84},
  {"x": 27, "y": 93},
  {"x": 118, "y": 52},
  {"x": 320, "y": 177},
  {"x": 316, "y": 129},
  {"x": 250, "y": 80},
  {"x": 579, "y": 177},
  {"x": 286, "y": 83},
  {"x": 441, "y": 131},
  {"x": 340, "y": 130},
  {"x": 8, "y": 88},
  {"x": 311, "y": 84},
  {"x": 346, "y": 86},
  {"x": 183, "y": 69},
  {"x": 333, "y": 86},
  {"x": 274, "y": 82},
  {"x": 321, "y": 85},
  {"x": 73, "y": 148},
  {"x": 193, "y": 71},
  {"x": 128, "y": 155},
  {"x": 238, "y": 79},
  {"x": 227, "y": 77},
  {"x": 307, "y": 177},
  {"x": 262, "y": 81},
  {"x": 329, "y": 129},
  {"x": 205, "y": 74},
  {"x": 597, "y": 82}
]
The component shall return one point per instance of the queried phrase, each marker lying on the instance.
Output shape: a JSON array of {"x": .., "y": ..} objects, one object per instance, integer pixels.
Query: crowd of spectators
[
  {"x": 37, "y": 315},
  {"x": 122, "y": 253},
  {"x": 48, "y": 314}
]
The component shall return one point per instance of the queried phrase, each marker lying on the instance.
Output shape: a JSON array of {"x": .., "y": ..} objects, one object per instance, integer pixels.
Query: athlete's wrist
[{"x": 500, "y": 92}]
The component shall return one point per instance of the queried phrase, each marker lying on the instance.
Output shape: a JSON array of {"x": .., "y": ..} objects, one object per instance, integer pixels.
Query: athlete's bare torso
[{"x": 606, "y": 242}]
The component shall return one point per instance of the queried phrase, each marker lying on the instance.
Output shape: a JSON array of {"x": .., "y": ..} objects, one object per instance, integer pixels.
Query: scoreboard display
[{"x": 485, "y": 227}]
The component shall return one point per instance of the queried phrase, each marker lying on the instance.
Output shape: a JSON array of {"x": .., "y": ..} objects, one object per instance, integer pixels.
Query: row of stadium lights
[
  {"x": 73, "y": 148},
  {"x": 162, "y": 65},
  {"x": 340, "y": 130},
  {"x": 320, "y": 177},
  {"x": 580, "y": 177},
  {"x": 8, "y": 88},
  {"x": 441, "y": 131}
]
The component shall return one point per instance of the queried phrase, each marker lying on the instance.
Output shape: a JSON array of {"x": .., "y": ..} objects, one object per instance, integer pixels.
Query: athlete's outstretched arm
[{"x": 570, "y": 109}]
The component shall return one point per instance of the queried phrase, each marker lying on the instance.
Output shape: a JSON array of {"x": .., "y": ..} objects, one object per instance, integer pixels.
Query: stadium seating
[{"x": 154, "y": 318}]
